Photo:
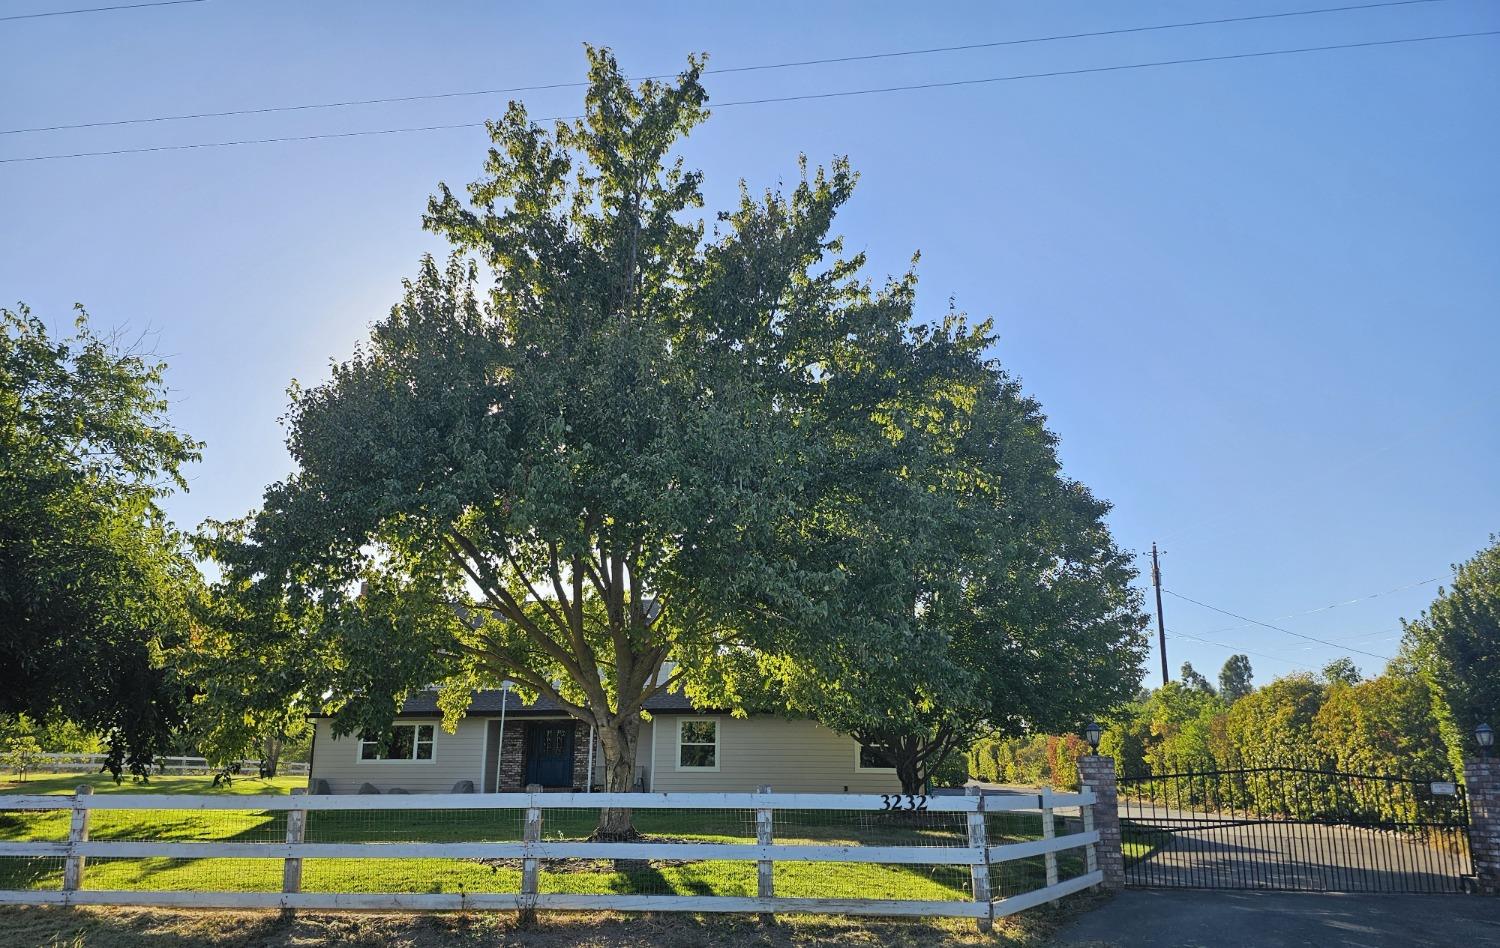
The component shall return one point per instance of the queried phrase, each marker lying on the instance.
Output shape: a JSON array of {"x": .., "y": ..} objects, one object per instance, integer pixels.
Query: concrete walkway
[{"x": 1156, "y": 918}]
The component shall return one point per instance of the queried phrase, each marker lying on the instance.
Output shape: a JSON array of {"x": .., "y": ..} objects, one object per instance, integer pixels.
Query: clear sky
[{"x": 1259, "y": 299}]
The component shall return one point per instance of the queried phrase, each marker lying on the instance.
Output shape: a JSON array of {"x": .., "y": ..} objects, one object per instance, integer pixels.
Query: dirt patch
[
  {"x": 598, "y": 865},
  {"x": 89, "y": 927}
]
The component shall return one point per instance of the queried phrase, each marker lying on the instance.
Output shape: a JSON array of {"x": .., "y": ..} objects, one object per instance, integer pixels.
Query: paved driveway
[
  {"x": 1298, "y": 856},
  {"x": 1156, "y": 918}
]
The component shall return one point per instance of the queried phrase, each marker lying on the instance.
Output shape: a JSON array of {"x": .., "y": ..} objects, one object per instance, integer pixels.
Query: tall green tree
[
  {"x": 1456, "y": 645},
  {"x": 592, "y": 467},
  {"x": 1235, "y": 678},
  {"x": 94, "y": 583}
]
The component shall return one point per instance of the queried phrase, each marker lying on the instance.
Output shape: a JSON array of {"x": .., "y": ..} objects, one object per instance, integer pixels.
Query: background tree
[
  {"x": 1455, "y": 644},
  {"x": 1192, "y": 679},
  {"x": 94, "y": 586},
  {"x": 1235, "y": 678},
  {"x": 257, "y": 669},
  {"x": 1342, "y": 671}
]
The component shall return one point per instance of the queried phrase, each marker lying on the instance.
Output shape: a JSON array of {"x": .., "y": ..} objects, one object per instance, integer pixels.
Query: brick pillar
[
  {"x": 1482, "y": 779},
  {"x": 1098, "y": 774},
  {"x": 512, "y": 756},
  {"x": 581, "y": 733}
]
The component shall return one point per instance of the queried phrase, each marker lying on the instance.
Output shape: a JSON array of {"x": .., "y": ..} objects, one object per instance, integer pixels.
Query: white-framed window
[
  {"x": 697, "y": 744},
  {"x": 869, "y": 758},
  {"x": 403, "y": 742}
]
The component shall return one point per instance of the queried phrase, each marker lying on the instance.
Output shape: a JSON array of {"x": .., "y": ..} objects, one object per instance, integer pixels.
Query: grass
[
  {"x": 1138, "y": 844},
  {"x": 104, "y": 783},
  {"x": 699, "y": 877}
]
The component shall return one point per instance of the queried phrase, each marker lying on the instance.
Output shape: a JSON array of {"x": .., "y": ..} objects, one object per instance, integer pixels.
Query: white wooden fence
[
  {"x": 977, "y": 852},
  {"x": 93, "y": 763}
]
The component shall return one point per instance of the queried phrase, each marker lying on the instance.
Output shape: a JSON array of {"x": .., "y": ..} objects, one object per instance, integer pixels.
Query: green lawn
[{"x": 700, "y": 877}]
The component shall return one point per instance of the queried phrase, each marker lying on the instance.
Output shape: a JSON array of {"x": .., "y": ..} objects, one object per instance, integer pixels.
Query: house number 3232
[{"x": 897, "y": 801}]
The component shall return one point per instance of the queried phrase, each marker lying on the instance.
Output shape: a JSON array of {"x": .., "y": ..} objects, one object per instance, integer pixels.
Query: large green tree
[
  {"x": 585, "y": 470},
  {"x": 94, "y": 586},
  {"x": 1456, "y": 645}
]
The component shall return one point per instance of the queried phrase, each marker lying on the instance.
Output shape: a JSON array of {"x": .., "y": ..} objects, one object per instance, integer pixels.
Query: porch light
[
  {"x": 1484, "y": 736},
  {"x": 1091, "y": 733}
]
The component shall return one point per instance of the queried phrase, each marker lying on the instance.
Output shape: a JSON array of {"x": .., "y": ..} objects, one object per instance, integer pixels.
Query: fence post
[
  {"x": 979, "y": 872},
  {"x": 531, "y": 833},
  {"x": 78, "y": 832},
  {"x": 765, "y": 886},
  {"x": 1049, "y": 831},
  {"x": 1482, "y": 783},
  {"x": 296, "y": 826},
  {"x": 1097, "y": 774}
]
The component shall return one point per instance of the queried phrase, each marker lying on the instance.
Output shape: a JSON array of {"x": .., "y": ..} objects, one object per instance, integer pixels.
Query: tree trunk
[
  {"x": 908, "y": 771},
  {"x": 617, "y": 745},
  {"x": 270, "y": 755}
]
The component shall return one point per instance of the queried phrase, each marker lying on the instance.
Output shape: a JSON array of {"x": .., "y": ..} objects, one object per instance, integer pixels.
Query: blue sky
[{"x": 1260, "y": 299}]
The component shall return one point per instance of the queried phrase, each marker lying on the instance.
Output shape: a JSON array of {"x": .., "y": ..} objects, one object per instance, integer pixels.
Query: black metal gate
[{"x": 1295, "y": 829}]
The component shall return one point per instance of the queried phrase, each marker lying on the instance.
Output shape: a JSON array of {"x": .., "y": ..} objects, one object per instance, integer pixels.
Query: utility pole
[{"x": 1161, "y": 628}]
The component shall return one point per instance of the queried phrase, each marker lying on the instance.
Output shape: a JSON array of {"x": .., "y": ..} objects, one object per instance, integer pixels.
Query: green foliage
[
  {"x": 1036, "y": 760},
  {"x": 1341, "y": 671},
  {"x": 1273, "y": 726},
  {"x": 1456, "y": 646},
  {"x": 93, "y": 581},
  {"x": 20, "y": 754},
  {"x": 978, "y": 588},
  {"x": 1384, "y": 725},
  {"x": 649, "y": 442},
  {"x": 1191, "y": 678},
  {"x": 54, "y": 737},
  {"x": 1235, "y": 678}
]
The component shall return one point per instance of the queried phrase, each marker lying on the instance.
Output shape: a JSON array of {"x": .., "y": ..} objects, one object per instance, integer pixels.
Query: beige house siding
[
  {"x": 455, "y": 757},
  {"x": 790, "y": 756}
]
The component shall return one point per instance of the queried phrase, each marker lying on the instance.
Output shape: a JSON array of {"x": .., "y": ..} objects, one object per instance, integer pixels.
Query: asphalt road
[{"x": 1157, "y": 918}]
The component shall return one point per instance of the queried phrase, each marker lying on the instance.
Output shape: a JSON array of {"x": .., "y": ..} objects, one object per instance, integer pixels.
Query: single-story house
[{"x": 503, "y": 744}]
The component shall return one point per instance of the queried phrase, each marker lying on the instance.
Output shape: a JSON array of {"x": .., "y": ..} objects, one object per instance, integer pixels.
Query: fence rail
[
  {"x": 899, "y": 832},
  {"x": 90, "y": 763}
]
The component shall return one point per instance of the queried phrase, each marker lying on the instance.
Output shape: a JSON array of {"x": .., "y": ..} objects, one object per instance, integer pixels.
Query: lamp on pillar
[
  {"x": 1091, "y": 733},
  {"x": 1484, "y": 736}
]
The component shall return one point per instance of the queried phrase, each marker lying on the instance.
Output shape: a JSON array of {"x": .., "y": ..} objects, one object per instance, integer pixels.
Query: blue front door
[{"x": 549, "y": 753}]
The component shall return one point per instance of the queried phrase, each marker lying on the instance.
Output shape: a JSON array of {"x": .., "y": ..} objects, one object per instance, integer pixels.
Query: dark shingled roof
[{"x": 424, "y": 704}]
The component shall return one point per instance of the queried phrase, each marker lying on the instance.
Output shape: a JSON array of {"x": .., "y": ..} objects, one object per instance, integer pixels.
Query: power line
[
  {"x": 1235, "y": 648},
  {"x": 1310, "y": 638},
  {"x": 793, "y": 64},
  {"x": 1336, "y": 605},
  {"x": 1120, "y": 68},
  {"x": 120, "y": 6},
  {"x": 788, "y": 98}
]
